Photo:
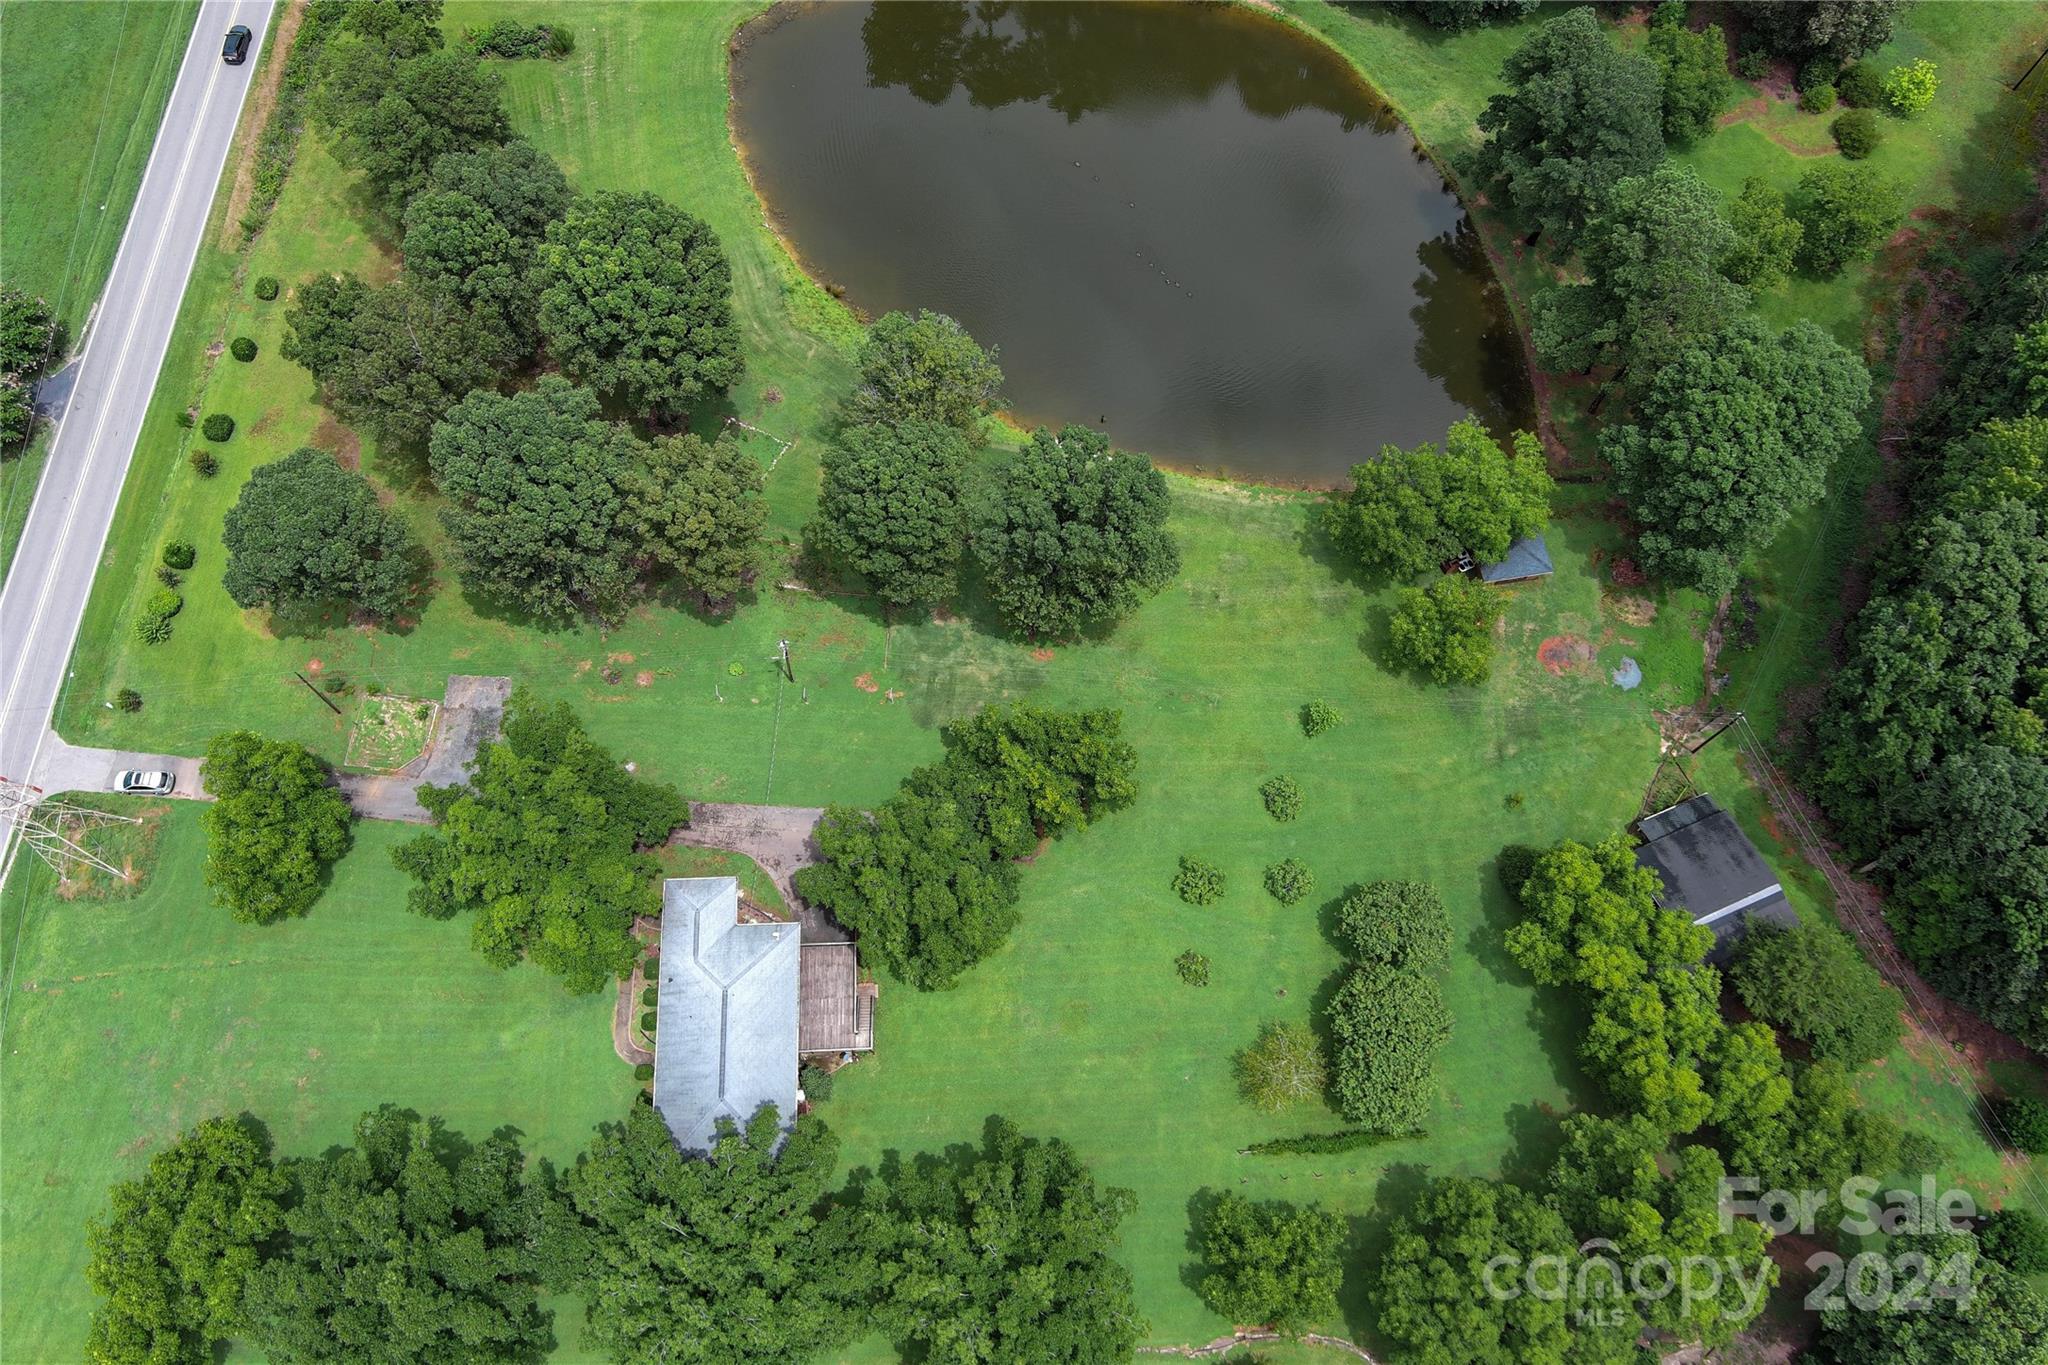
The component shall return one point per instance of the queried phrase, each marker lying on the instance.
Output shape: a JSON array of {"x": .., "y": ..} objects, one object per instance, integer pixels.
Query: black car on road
[{"x": 235, "y": 50}]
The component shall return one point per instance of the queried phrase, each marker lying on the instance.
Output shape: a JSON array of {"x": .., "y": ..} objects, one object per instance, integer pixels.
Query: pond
[{"x": 1189, "y": 226}]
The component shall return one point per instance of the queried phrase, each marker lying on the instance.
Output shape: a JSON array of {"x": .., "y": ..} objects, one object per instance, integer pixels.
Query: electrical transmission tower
[{"x": 41, "y": 825}]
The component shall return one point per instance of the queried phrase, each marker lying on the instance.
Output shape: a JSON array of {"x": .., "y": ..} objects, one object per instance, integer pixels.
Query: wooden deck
[{"x": 835, "y": 1011}]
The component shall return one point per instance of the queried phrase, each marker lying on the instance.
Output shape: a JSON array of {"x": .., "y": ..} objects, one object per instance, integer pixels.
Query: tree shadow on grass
[
  {"x": 1556, "y": 1015},
  {"x": 1201, "y": 1204},
  {"x": 1400, "y": 1188}
]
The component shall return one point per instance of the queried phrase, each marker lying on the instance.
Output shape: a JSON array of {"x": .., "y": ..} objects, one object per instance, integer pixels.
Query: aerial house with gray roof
[
  {"x": 1712, "y": 872},
  {"x": 738, "y": 997}
]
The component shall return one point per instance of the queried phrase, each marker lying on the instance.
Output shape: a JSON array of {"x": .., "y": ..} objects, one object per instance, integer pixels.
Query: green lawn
[
  {"x": 130, "y": 1020},
  {"x": 82, "y": 87},
  {"x": 1079, "y": 1026}
]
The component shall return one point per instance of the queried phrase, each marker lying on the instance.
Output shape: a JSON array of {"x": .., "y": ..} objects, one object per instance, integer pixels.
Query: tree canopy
[
  {"x": 999, "y": 1253},
  {"x": 520, "y": 186},
  {"x": 396, "y": 357},
  {"x": 1071, "y": 533},
  {"x": 305, "y": 532},
  {"x": 176, "y": 1245},
  {"x": 923, "y": 369},
  {"x": 274, "y": 827},
  {"x": 1653, "y": 255},
  {"x": 1842, "y": 30},
  {"x": 1409, "y": 510},
  {"x": 890, "y": 508},
  {"x": 1998, "y": 1321},
  {"x": 1446, "y": 629},
  {"x": 1731, "y": 438},
  {"x": 1399, "y": 924},
  {"x": 410, "y": 1247},
  {"x": 1578, "y": 115},
  {"x": 28, "y": 339},
  {"x": 537, "y": 484},
  {"x": 1812, "y": 982},
  {"x": 636, "y": 300},
  {"x": 928, "y": 879},
  {"x": 1766, "y": 237},
  {"x": 1387, "y": 1025},
  {"x": 697, "y": 509},
  {"x": 712, "y": 1259},
  {"x": 1271, "y": 1262},
  {"x": 1694, "y": 63},
  {"x": 542, "y": 847},
  {"x": 1844, "y": 210},
  {"x": 392, "y": 115}
]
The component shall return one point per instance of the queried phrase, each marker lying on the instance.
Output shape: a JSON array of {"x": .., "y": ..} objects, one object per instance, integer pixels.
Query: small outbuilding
[
  {"x": 725, "y": 1041},
  {"x": 1527, "y": 557},
  {"x": 1712, "y": 872}
]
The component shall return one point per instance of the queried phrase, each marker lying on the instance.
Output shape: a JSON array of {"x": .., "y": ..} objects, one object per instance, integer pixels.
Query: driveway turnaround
[{"x": 46, "y": 588}]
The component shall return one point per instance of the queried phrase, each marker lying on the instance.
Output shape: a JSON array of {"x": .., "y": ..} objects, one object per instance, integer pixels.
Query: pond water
[{"x": 1186, "y": 225}]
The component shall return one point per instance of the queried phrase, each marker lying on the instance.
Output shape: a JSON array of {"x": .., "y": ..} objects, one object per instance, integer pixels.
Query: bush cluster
[
  {"x": 1861, "y": 86},
  {"x": 243, "y": 349},
  {"x": 512, "y": 40},
  {"x": 217, "y": 427},
  {"x": 179, "y": 554},
  {"x": 266, "y": 287},
  {"x": 815, "y": 1081},
  {"x": 1818, "y": 100},
  {"x": 1282, "y": 798},
  {"x": 128, "y": 699},
  {"x": 153, "y": 625},
  {"x": 1198, "y": 882},
  {"x": 2022, "y": 1121},
  {"x": 204, "y": 463},
  {"x": 1326, "y": 1144},
  {"x": 1319, "y": 716},
  {"x": 1288, "y": 880},
  {"x": 1857, "y": 134},
  {"x": 1909, "y": 89},
  {"x": 1192, "y": 967},
  {"x": 648, "y": 1019}
]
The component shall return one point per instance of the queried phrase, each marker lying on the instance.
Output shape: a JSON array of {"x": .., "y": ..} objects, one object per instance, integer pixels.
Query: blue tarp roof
[{"x": 1528, "y": 557}]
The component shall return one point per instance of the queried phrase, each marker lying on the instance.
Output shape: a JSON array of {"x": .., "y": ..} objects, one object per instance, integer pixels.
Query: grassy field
[
  {"x": 1079, "y": 1026},
  {"x": 132, "y": 1019},
  {"x": 70, "y": 166}
]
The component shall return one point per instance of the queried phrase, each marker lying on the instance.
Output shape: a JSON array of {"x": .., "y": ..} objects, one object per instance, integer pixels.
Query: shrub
[
  {"x": 815, "y": 1081},
  {"x": 217, "y": 427},
  {"x": 2017, "y": 1239},
  {"x": 1909, "y": 89},
  {"x": 1844, "y": 211},
  {"x": 1271, "y": 1262},
  {"x": 266, "y": 287},
  {"x": 1856, "y": 133},
  {"x": 203, "y": 463},
  {"x": 1861, "y": 86},
  {"x": 128, "y": 699},
  {"x": 243, "y": 349},
  {"x": 644, "y": 1071},
  {"x": 1753, "y": 65},
  {"x": 648, "y": 1019},
  {"x": 2021, "y": 1121},
  {"x": 1817, "y": 73},
  {"x": 168, "y": 576},
  {"x": 512, "y": 40},
  {"x": 1388, "y": 1025},
  {"x": 1193, "y": 968},
  {"x": 1288, "y": 880},
  {"x": 1515, "y": 863},
  {"x": 1325, "y": 1144},
  {"x": 1197, "y": 882},
  {"x": 179, "y": 554},
  {"x": 1318, "y": 716},
  {"x": 1282, "y": 798},
  {"x": 1818, "y": 100},
  {"x": 1284, "y": 1067},
  {"x": 185, "y": 420},
  {"x": 1395, "y": 924},
  {"x": 651, "y": 996},
  {"x": 153, "y": 626}
]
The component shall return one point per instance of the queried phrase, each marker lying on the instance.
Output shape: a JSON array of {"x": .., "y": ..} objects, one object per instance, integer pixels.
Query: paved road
[{"x": 46, "y": 589}]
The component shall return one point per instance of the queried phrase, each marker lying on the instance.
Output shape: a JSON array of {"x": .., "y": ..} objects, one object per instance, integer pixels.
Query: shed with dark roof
[{"x": 1712, "y": 871}]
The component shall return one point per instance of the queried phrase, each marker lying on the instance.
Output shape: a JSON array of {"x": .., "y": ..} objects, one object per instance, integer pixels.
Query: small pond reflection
[{"x": 1187, "y": 225}]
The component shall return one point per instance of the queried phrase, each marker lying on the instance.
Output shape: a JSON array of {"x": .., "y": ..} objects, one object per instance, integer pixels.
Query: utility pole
[
  {"x": 787, "y": 671},
  {"x": 1727, "y": 720},
  {"x": 41, "y": 825}
]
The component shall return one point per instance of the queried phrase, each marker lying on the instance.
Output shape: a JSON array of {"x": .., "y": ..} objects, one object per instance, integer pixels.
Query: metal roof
[
  {"x": 1712, "y": 871},
  {"x": 726, "y": 1030},
  {"x": 1528, "y": 557}
]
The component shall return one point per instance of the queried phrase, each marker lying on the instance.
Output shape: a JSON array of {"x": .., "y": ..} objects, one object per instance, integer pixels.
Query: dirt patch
[
  {"x": 1566, "y": 654},
  {"x": 340, "y": 442},
  {"x": 1041, "y": 655},
  {"x": 313, "y": 666},
  {"x": 618, "y": 658},
  {"x": 1636, "y": 611},
  {"x": 644, "y": 678},
  {"x": 256, "y": 119},
  {"x": 866, "y": 683}
]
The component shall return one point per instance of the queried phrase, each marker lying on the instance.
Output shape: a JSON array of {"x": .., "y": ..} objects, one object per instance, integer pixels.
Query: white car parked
[{"x": 138, "y": 783}]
